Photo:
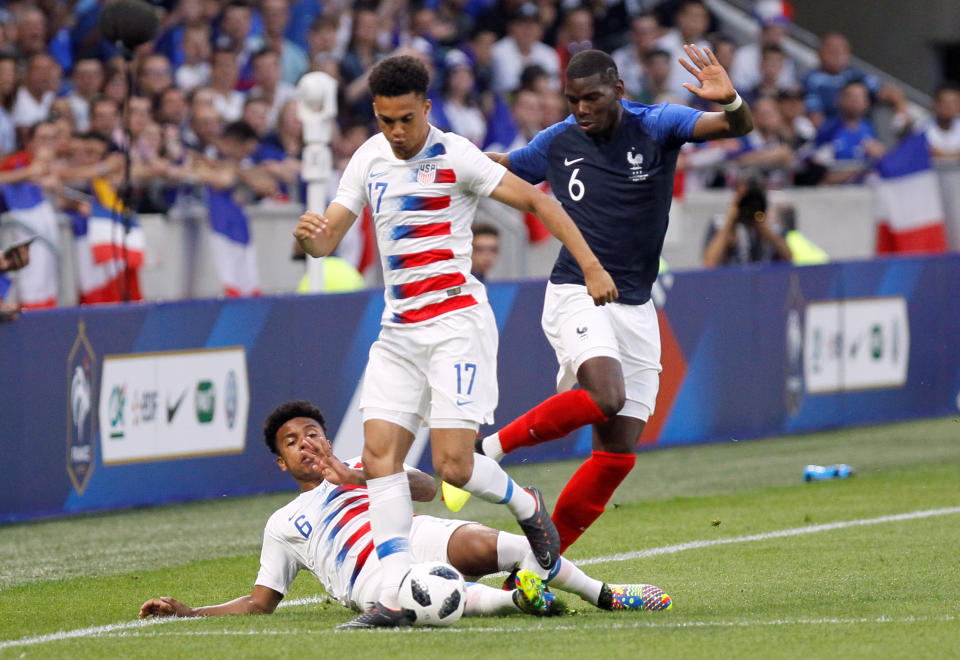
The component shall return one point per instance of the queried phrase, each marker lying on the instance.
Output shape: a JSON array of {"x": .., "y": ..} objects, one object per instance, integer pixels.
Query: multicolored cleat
[
  {"x": 633, "y": 597},
  {"x": 532, "y": 597}
]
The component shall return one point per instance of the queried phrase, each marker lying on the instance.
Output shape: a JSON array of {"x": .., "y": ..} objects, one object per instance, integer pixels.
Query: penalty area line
[{"x": 115, "y": 629}]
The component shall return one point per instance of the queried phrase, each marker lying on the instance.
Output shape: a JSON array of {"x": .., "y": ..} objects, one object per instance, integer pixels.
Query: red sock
[
  {"x": 552, "y": 419},
  {"x": 587, "y": 493}
]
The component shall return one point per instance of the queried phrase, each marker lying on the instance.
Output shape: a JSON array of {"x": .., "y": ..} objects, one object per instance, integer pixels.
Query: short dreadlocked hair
[
  {"x": 283, "y": 414},
  {"x": 587, "y": 63},
  {"x": 399, "y": 75}
]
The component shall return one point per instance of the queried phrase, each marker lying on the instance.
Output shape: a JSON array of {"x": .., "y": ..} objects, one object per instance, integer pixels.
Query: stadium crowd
[{"x": 207, "y": 110}]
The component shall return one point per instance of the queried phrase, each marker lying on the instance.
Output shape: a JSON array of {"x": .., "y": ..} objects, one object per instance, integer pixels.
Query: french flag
[
  {"x": 233, "y": 253},
  {"x": 111, "y": 236},
  {"x": 33, "y": 215},
  {"x": 99, "y": 280},
  {"x": 910, "y": 216}
]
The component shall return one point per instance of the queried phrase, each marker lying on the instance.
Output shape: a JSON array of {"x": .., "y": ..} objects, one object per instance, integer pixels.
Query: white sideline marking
[
  {"x": 134, "y": 627},
  {"x": 606, "y": 625}
]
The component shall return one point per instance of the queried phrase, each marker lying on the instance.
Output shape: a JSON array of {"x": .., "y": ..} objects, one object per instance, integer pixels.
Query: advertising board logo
[
  {"x": 230, "y": 398},
  {"x": 118, "y": 399},
  {"x": 165, "y": 405},
  {"x": 81, "y": 363},
  {"x": 205, "y": 400}
]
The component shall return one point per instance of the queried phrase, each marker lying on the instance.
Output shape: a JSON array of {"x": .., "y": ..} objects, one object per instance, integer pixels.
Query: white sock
[
  {"x": 391, "y": 515},
  {"x": 570, "y": 578},
  {"x": 492, "y": 448},
  {"x": 490, "y": 483},
  {"x": 511, "y": 549},
  {"x": 484, "y": 600}
]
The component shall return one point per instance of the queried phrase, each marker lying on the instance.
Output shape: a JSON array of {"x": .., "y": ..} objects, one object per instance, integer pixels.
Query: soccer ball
[{"x": 435, "y": 592}]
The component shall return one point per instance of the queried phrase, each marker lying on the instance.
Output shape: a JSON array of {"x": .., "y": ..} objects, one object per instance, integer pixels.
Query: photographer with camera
[{"x": 745, "y": 236}]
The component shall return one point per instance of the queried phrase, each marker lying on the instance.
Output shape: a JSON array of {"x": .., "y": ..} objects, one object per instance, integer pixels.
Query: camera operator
[{"x": 745, "y": 236}]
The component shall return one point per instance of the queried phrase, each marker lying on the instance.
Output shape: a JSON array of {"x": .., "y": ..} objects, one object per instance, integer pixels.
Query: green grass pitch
[{"x": 759, "y": 564}]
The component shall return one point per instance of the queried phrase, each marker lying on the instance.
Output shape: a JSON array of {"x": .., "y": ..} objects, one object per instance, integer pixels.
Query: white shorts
[
  {"x": 429, "y": 538},
  {"x": 579, "y": 330},
  {"x": 443, "y": 372}
]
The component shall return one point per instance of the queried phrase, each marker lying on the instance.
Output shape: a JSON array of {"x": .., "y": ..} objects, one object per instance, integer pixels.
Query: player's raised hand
[
  {"x": 164, "y": 606},
  {"x": 714, "y": 82},
  {"x": 329, "y": 467},
  {"x": 600, "y": 285}
]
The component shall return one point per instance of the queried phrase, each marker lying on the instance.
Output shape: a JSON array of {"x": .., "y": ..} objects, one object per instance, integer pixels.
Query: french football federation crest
[
  {"x": 426, "y": 173},
  {"x": 81, "y": 388},
  {"x": 636, "y": 165}
]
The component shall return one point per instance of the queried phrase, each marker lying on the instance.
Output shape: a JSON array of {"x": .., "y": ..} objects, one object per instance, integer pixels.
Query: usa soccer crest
[
  {"x": 81, "y": 388},
  {"x": 427, "y": 174}
]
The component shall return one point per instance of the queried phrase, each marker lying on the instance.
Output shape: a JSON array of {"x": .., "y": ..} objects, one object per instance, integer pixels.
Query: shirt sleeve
[
  {"x": 351, "y": 193},
  {"x": 530, "y": 162},
  {"x": 479, "y": 174},
  {"x": 278, "y": 568},
  {"x": 669, "y": 123}
]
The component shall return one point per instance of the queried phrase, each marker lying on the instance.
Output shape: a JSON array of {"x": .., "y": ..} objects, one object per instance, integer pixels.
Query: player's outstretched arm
[
  {"x": 262, "y": 600},
  {"x": 715, "y": 86},
  {"x": 319, "y": 235},
  {"x": 514, "y": 191},
  {"x": 503, "y": 159}
]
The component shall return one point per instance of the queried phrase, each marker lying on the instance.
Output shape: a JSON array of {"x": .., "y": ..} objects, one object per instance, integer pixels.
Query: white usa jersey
[
  {"x": 422, "y": 209},
  {"x": 325, "y": 531}
]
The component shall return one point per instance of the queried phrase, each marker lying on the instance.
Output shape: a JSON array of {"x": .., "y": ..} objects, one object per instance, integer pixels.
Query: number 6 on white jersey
[{"x": 575, "y": 187}]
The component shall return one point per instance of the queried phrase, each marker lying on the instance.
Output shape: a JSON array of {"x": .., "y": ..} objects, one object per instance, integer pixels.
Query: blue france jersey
[{"x": 617, "y": 191}]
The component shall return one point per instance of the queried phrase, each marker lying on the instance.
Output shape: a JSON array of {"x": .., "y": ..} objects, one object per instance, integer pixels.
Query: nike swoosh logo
[
  {"x": 543, "y": 558},
  {"x": 374, "y": 175},
  {"x": 571, "y": 162},
  {"x": 172, "y": 410},
  {"x": 463, "y": 403}
]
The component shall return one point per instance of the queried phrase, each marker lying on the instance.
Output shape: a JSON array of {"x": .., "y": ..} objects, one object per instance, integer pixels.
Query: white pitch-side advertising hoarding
[
  {"x": 856, "y": 344},
  {"x": 174, "y": 404}
]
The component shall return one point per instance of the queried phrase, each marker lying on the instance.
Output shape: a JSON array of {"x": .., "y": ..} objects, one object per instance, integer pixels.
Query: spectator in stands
[
  {"x": 88, "y": 79},
  {"x": 774, "y": 18},
  {"x": 153, "y": 76},
  {"x": 943, "y": 128},
  {"x": 223, "y": 81},
  {"x": 105, "y": 120},
  {"x": 137, "y": 117},
  {"x": 255, "y": 112},
  {"x": 61, "y": 115},
  {"x": 30, "y": 30},
  {"x": 194, "y": 68},
  {"x": 8, "y": 89},
  {"x": 116, "y": 87},
  {"x": 205, "y": 126},
  {"x": 691, "y": 23},
  {"x": 724, "y": 48},
  {"x": 363, "y": 51},
  {"x": 35, "y": 93},
  {"x": 846, "y": 142},
  {"x": 236, "y": 34},
  {"x": 824, "y": 83},
  {"x": 172, "y": 41},
  {"x": 746, "y": 234},
  {"x": 575, "y": 34},
  {"x": 765, "y": 148},
  {"x": 458, "y": 110},
  {"x": 772, "y": 62},
  {"x": 322, "y": 41},
  {"x": 269, "y": 86},
  {"x": 480, "y": 51},
  {"x": 171, "y": 108},
  {"x": 293, "y": 59},
  {"x": 657, "y": 75},
  {"x": 486, "y": 250},
  {"x": 644, "y": 30},
  {"x": 520, "y": 48},
  {"x": 798, "y": 129}
]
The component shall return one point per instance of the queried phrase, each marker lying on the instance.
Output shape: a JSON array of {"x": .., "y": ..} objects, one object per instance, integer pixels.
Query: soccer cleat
[
  {"x": 541, "y": 533},
  {"x": 532, "y": 597},
  {"x": 380, "y": 616},
  {"x": 633, "y": 597}
]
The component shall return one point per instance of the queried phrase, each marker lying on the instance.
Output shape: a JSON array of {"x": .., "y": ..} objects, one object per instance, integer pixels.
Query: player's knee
[
  {"x": 609, "y": 398},
  {"x": 455, "y": 471}
]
